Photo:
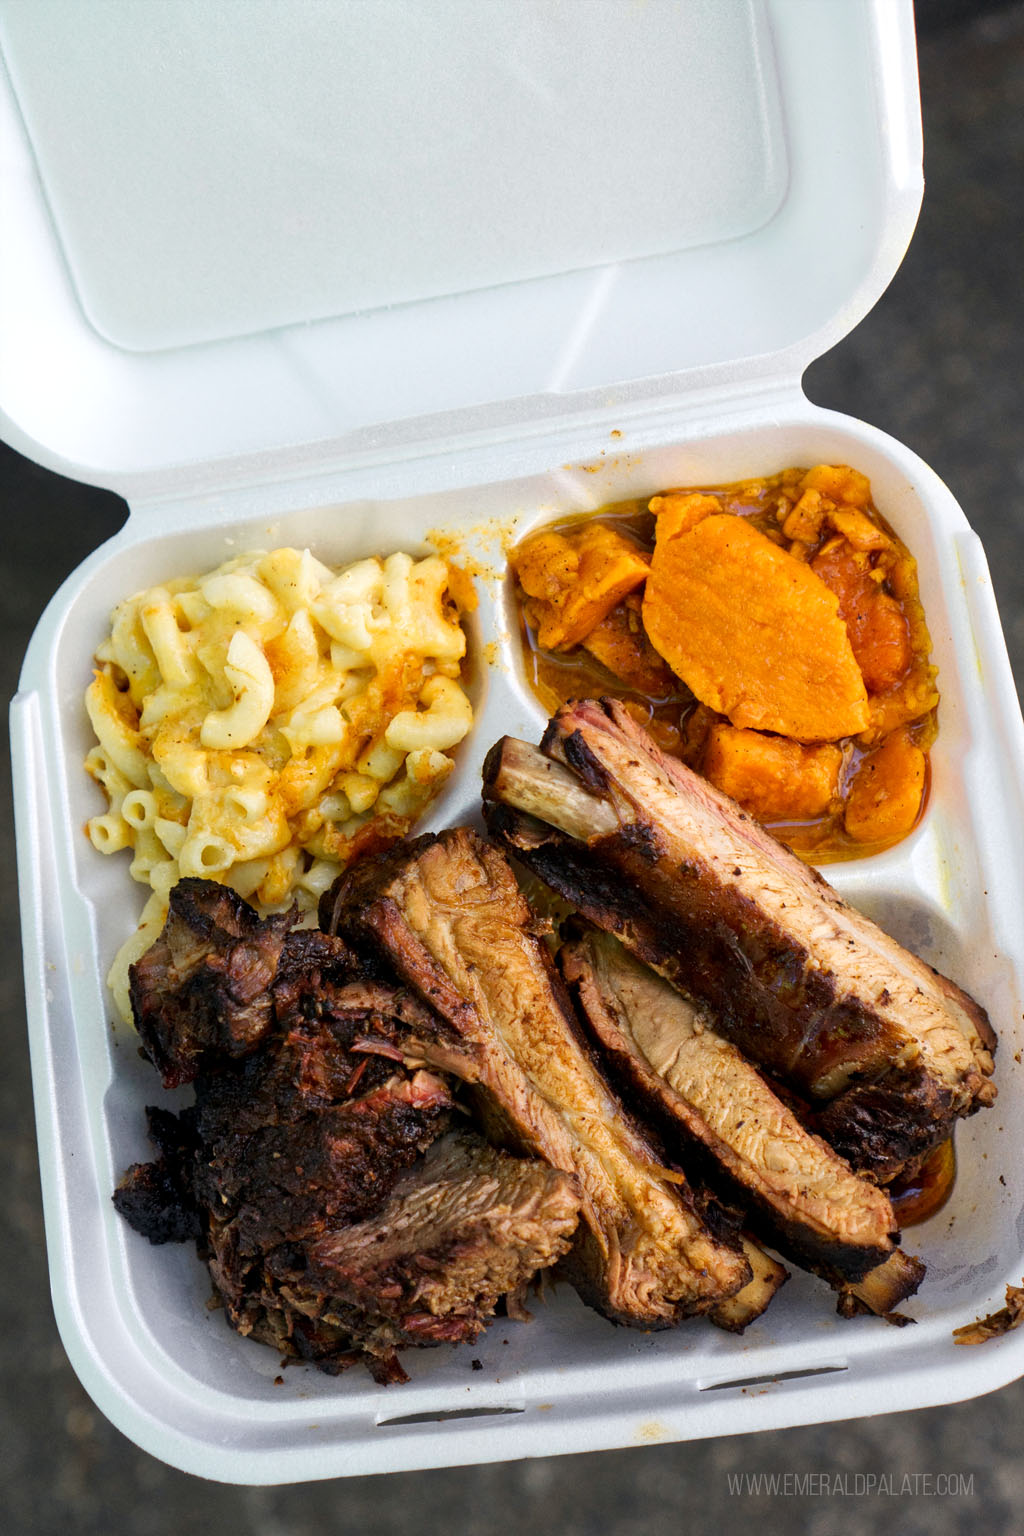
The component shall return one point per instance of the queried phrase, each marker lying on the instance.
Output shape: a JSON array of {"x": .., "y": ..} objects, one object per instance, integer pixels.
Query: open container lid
[{"x": 235, "y": 231}]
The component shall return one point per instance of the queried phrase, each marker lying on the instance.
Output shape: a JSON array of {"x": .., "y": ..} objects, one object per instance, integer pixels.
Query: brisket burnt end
[
  {"x": 461, "y": 1228},
  {"x": 202, "y": 992},
  {"x": 305, "y": 1120},
  {"x": 157, "y": 1198}
]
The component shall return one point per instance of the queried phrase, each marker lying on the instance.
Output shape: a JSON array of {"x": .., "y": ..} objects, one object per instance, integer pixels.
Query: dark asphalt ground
[{"x": 940, "y": 365}]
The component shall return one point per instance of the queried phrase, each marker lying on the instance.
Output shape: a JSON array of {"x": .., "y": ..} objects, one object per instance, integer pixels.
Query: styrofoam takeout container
[{"x": 347, "y": 305}]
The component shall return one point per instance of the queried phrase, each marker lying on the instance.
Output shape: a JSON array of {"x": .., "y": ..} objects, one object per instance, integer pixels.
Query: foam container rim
[{"x": 171, "y": 1375}]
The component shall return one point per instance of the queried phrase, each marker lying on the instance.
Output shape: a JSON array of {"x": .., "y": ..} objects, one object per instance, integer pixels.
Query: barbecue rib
[
  {"x": 798, "y": 980},
  {"x": 299, "y": 1154},
  {"x": 768, "y": 1275},
  {"x": 720, "y": 1118},
  {"x": 449, "y": 918}
]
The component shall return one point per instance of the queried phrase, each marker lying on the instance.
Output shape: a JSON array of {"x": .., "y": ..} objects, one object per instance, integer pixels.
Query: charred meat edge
[
  {"x": 719, "y": 1116},
  {"x": 881, "y": 1289},
  {"x": 283, "y": 1175},
  {"x": 449, "y": 917},
  {"x": 202, "y": 990},
  {"x": 464, "y": 1227},
  {"x": 800, "y": 981}
]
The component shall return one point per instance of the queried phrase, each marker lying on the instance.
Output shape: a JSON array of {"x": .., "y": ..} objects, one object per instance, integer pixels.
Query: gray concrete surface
[{"x": 938, "y": 364}]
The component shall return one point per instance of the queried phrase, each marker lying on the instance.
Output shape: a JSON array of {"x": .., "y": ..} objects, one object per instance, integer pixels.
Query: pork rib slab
[
  {"x": 799, "y": 980},
  {"x": 802, "y": 1198},
  {"x": 447, "y": 913}
]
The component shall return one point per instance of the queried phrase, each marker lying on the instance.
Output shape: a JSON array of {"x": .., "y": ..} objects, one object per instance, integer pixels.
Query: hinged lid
[{"x": 238, "y": 229}]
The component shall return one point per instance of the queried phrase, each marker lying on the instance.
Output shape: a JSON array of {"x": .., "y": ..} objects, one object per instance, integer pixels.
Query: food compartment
[
  {"x": 767, "y": 633},
  {"x": 943, "y": 891}
]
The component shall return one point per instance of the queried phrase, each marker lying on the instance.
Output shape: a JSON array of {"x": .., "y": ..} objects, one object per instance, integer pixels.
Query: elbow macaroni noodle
[{"x": 262, "y": 723}]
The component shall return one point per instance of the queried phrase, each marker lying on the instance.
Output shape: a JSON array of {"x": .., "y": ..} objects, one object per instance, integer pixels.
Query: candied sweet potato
[
  {"x": 755, "y": 633},
  {"x": 839, "y": 483},
  {"x": 884, "y": 800},
  {"x": 803, "y": 522},
  {"x": 679, "y": 511},
  {"x": 773, "y": 778},
  {"x": 574, "y": 579},
  {"x": 620, "y": 643},
  {"x": 858, "y": 529},
  {"x": 914, "y": 697},
  {"x": 878, "y": 630}
]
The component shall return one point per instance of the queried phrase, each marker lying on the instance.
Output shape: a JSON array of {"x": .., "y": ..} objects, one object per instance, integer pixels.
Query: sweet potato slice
[
  {"x": 885, "y": 797},
  {"x": 755, "y": 633},
  {"x": 878, "y": 630},
  {"x": 773, "y": 778},
  {"x": 573, "y": 580}
]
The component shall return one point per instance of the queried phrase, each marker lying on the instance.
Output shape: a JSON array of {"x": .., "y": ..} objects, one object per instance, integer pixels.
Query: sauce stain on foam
[
  {"x": 979, "y": 666},
  {"x": 481, "y": 550},
  {"x": 652, "y": 1431}
]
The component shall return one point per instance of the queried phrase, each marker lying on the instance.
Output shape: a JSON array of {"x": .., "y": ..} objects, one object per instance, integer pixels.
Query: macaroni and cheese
[{"x": 262, "y": 724}]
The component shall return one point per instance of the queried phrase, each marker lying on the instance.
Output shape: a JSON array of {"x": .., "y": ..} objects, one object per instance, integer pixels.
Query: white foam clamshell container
[{"x": 464, "y": 268}]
